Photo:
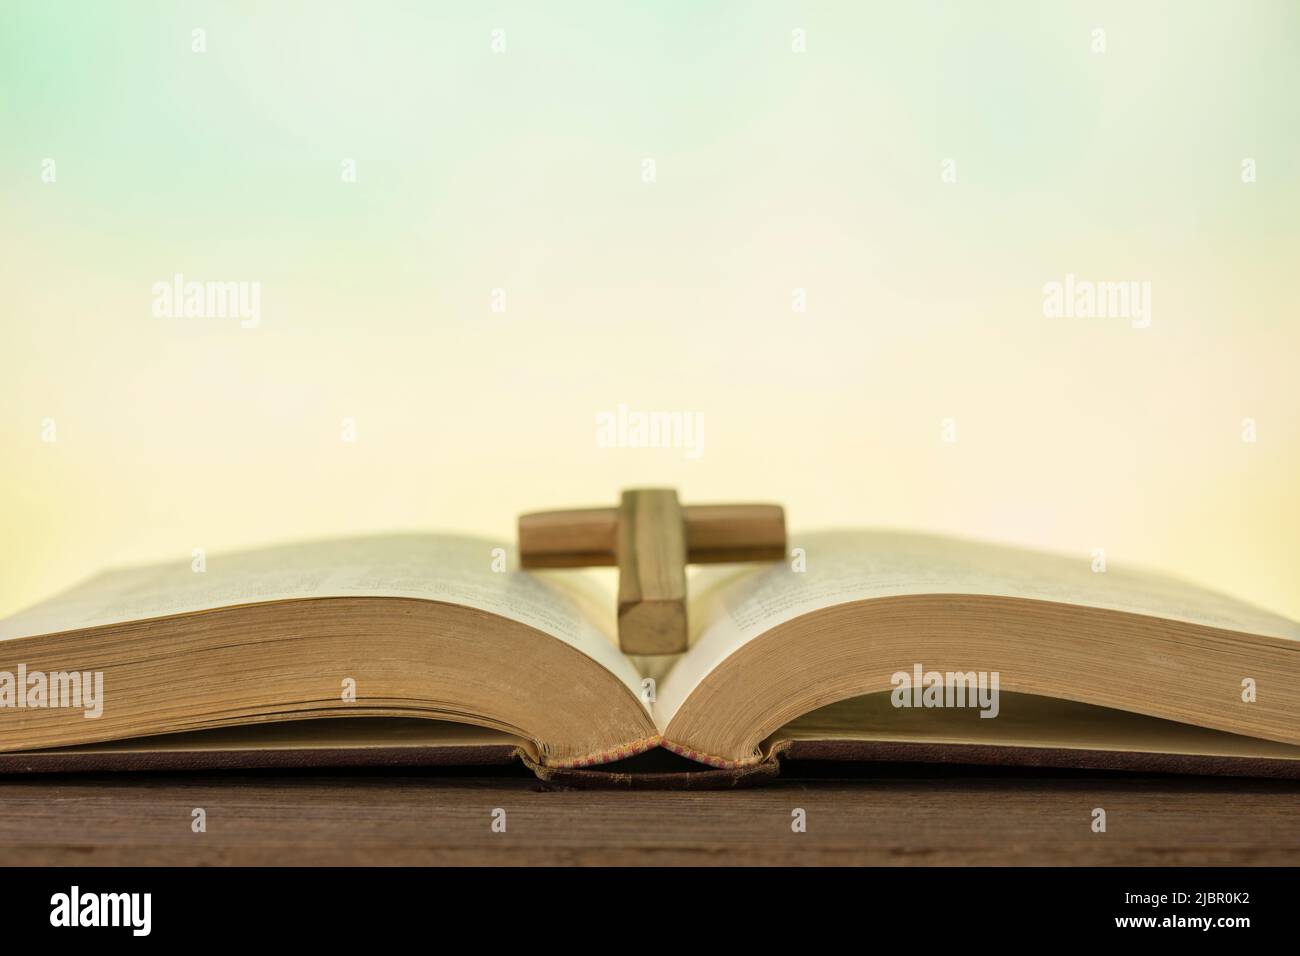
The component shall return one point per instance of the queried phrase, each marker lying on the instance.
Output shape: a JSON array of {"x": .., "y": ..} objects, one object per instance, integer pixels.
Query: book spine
[{"x": 623, "y": 751}]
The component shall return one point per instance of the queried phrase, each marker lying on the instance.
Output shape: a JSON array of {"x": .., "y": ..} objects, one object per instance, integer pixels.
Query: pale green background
[{"x": 775, "y": 171}]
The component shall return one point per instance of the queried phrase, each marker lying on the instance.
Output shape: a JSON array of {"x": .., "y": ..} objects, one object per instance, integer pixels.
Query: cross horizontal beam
[{"x": 715, "y": 534}]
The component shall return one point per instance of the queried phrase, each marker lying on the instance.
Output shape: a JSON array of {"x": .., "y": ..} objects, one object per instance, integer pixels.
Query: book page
[
  {"x": 1025, "y": 720},
  {"x": 447, "y": 568},
  {"x": 737, "y": 603}
]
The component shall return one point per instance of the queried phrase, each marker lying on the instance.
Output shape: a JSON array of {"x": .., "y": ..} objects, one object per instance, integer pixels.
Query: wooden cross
[{"x": 651, "y": 537}]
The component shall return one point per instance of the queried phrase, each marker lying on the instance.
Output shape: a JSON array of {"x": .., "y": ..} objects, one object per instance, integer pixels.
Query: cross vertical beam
[{"x": 652, "y": 571}]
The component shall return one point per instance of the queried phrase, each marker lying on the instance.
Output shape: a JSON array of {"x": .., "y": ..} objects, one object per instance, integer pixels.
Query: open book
[{"x": 432, "y": 649}]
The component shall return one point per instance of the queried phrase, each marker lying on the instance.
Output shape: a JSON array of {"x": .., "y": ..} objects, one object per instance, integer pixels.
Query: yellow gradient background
[{"x": 776, "y": 171}]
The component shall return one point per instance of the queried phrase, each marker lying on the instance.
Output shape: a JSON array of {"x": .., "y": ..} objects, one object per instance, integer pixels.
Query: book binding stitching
[{"x": 645, "y": 744}]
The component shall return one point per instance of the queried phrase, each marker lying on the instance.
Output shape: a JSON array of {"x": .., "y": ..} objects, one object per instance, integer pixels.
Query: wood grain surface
[{"x": 899, "y": 816}]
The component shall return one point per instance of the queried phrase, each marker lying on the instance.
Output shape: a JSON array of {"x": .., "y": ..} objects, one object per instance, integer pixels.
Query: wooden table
[{"x": 897, "y": 815}]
